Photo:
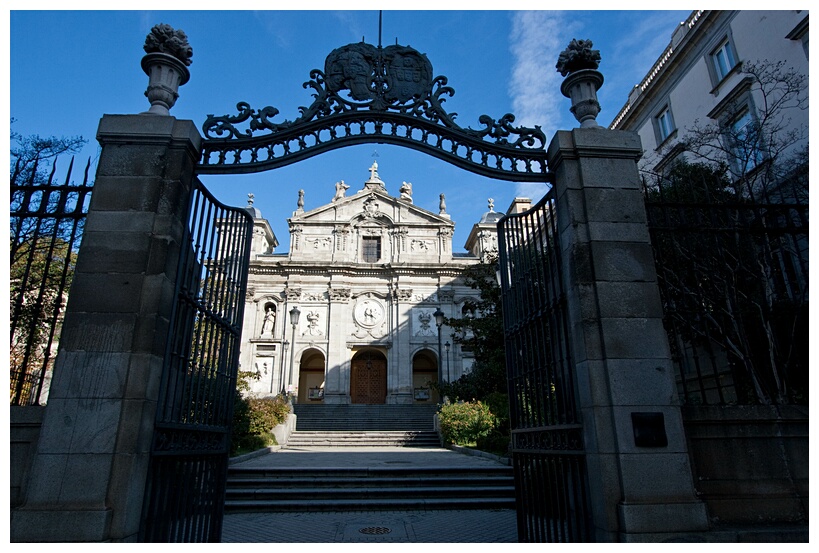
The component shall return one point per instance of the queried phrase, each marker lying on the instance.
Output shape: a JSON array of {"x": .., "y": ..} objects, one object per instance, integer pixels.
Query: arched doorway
[
  {"x": 424, "y": 372},
  {"x": 311, "y": 377},
  {"x": 368, "y": 377}
]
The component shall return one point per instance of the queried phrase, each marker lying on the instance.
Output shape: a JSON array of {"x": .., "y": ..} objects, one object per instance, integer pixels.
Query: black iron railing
[
  {"x": 184, "y": 500},
  {"x": 547, "y": 435},
  {"x": 46, "y": 226},
  {"x": 732, "y": 264}
]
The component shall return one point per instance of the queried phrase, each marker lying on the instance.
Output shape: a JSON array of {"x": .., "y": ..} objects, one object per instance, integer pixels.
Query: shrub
[
  {"x": 465, "y": 422},
  {"x": 253, "y": 419}
]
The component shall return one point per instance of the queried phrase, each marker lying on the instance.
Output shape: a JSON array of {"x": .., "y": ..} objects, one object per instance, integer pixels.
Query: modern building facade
[
  {"x": 699, "y": 80},
  {"x": 348, "y": 315}
]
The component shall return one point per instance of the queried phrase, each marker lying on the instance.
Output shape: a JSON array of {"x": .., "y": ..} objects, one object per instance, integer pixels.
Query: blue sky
[{"x": 68, "y": 68}]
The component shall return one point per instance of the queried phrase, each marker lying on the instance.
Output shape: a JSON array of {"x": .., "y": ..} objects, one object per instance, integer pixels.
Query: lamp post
[
  {"x": 294, "y": 321},
  {"x": 439, "y": 321},
  {"x": 447, "y": 361},
  {"x": 285, "y": 344}
]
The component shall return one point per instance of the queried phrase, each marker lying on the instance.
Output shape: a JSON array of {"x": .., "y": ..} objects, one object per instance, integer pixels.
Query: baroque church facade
[{"x": 348, "y": 315}]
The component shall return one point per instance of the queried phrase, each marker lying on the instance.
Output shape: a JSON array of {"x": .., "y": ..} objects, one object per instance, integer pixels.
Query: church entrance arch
[
  {"x": 368, "y": 377},
  {"x": 311, "y": 376},
  {"x": 424, "y": 373}
]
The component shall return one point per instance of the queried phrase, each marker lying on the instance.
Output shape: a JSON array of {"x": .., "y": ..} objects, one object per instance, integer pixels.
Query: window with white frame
[
  {"x": 665, "y": 124},
  {"x": 723, "y": 60}
]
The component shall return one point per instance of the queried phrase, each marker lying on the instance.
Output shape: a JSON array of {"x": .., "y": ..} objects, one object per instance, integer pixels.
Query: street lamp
[
  {"x": 447, "y": 361},
  {"x": 294, "y": 321},
  {"x": 285, "y": 344},
  {"x": 439, "y": 320}
]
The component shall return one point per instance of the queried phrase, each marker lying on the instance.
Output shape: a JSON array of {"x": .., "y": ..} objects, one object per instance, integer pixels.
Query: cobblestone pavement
[
  {"x": 430, "y": 526},
  {"x": 471, "y": 526}
]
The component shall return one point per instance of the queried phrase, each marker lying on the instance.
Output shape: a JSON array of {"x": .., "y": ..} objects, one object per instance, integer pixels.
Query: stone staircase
[
  {"x": 363, "y": 426},
  {"x": 368, "y": 488},
  {"x": 358, "y": 488},
  {"x": 371, "y": 438}
]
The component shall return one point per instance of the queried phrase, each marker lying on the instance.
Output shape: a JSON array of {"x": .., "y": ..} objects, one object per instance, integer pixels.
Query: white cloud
[
  {"x": 535, "y": 44},
  {"x": 535, "y": 41}
]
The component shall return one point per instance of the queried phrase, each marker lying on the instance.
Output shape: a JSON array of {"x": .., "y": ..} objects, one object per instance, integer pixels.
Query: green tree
[{"x": 480, "y": 332}]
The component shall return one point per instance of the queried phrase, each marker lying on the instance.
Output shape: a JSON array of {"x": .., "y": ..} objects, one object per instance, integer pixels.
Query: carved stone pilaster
[{"x": 292, "y": 294}]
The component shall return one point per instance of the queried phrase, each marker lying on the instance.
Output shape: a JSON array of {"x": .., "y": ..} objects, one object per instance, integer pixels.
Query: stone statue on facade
[
  {"x": 442, "y": 205},
  {"x": 300, "y": 204},
  {"x": 406, "y": 191},
  {"x": 268, "y": 322},
  {"x": 341, "y": 189}
]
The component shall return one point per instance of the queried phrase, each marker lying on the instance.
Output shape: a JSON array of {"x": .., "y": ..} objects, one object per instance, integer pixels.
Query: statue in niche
[
  {"x": 341, "y": 189},
  {"x": 406, "y": 192},
  {"x": 269, "y": 321}
]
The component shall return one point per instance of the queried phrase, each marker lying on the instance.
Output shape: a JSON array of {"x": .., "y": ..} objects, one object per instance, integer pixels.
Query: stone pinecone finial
[
  {"x": 578, "y": 55},
  {"x": 163, "y": 38}
]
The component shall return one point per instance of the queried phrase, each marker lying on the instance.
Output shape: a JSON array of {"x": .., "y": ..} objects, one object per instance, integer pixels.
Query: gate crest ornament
[{"x": 376, "y": 94}]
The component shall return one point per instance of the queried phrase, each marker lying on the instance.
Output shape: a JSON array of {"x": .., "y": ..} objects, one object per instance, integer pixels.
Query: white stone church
[{"x": 363, "y": 280}]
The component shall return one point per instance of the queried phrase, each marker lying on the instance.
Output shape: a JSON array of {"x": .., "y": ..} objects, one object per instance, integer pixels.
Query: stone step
[
  {"x": 368, "y": 488},
  {"x": 392, "y": 504},
  {"x": 238, "y": 483},
  {"x": 320, "y": 417},
  {"x": 301, "y": 438}
]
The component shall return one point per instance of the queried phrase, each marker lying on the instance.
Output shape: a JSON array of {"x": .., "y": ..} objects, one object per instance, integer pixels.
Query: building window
[
  {"x": 665, "y": 124},
  {"x": 723, "y": 60},
  {"x": 745, "y": 141},
  {"x": 371, "y": 249},
  {"x": 800, "y": 33}
]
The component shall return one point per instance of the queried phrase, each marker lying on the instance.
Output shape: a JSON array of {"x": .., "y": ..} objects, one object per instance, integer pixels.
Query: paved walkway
[{"x": 439, "y": 526}]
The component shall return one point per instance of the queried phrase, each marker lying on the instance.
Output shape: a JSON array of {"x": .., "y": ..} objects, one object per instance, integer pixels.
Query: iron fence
[
  {"x": 184, "y": 500},
  {"x": 547, "y": 434},
  {"x": 732, "y": 265},
  {"x": 46, "y": 227}
]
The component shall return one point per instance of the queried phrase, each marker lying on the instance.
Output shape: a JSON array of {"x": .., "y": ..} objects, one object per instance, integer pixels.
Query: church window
[{"x": 371, "y": 249}]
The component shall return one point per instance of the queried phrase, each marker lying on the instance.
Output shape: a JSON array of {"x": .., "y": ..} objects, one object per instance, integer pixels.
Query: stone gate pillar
[
  {"x": 88, "y": 477},
  {"x": 639, "y": 472}
]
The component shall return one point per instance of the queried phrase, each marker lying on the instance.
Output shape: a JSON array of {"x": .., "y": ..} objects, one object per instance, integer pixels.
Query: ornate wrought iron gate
[
  {"x": 547, "y": 437},
  {"x": 184, "y": 499},
  {"x": 46, "y": 226}
]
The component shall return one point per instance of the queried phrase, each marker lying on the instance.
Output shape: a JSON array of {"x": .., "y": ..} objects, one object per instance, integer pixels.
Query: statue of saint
[
  {"x": 269, "y": 320},
  {"x": 341, "y": 189},
  {"x": 406, "y": 192}
]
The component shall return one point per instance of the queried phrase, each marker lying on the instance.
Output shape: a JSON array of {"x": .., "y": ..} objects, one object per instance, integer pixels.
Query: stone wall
[
  {"x": 750, "y": 463},
  {"x": 25, "y": 433}
]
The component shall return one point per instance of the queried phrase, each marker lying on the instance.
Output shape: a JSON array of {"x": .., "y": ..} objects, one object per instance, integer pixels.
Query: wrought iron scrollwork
[{"x": 373, "y": 94}]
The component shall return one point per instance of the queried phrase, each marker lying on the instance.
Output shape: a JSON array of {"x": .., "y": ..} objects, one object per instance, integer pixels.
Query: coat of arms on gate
[{"x": 396, "y": 74}]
